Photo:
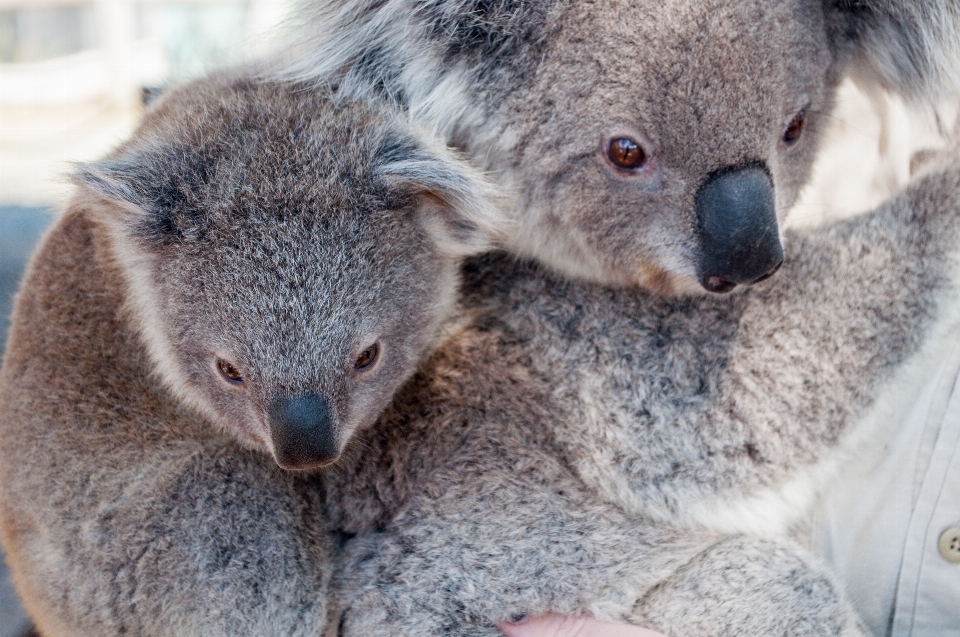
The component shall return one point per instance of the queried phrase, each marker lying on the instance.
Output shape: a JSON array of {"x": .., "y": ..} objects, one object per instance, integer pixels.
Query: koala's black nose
[
  {"x": 303, "y": 432},
  {"x": 737, "y": 229}
]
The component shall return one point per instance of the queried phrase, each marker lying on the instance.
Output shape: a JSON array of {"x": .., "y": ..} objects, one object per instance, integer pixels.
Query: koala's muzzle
[
  {"x": 737, "y": 229},
  {"x": 303, "y": 432}
]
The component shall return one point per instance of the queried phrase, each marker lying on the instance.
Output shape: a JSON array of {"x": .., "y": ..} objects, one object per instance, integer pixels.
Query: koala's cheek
[
  {"x": 235, "y": 416},
  {"x": 363, "y": 416},
  {"x": 248, "y": 433},
  {"x": 366, "y": 406}
]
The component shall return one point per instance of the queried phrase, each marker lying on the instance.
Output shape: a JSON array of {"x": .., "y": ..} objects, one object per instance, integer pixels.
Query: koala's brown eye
[
  {"x": 367, "y": 357},
  {"x": 626, "y": 153},
  {"x": 230, "y": 372},
  {"x": 795, "y": 128}
]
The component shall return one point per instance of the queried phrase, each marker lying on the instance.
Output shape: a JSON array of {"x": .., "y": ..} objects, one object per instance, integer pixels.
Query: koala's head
[
  {"x": 288, "y": 260},
  {"x": 662, "y": 143},
  {"x": 656, "y": 143}
]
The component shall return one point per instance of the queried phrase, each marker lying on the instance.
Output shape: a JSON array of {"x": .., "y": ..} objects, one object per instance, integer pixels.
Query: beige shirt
[{"x": 880, "y": 525}]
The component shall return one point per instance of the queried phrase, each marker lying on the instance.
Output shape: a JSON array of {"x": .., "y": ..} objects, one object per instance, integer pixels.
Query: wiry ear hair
[
  {"x": 158, "y": 184},
  {"x": 464, "y": 207},
  {"x": 911, "y": 47},
  {"x": 118, "y": 179}
]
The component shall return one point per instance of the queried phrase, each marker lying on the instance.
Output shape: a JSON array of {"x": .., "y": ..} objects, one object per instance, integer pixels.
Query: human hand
[{"x": 554, "y": 625}]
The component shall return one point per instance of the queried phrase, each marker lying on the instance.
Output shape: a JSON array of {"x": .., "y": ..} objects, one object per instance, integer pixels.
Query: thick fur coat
[
  {"x": 146, "y": 508},
  {"x": 139, "y": 486},
  {"x": 583, "y": 449}
]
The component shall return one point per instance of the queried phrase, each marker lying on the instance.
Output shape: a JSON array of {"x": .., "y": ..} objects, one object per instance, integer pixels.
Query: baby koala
[
  {"x": 593, "y": 450},
  {"x": 285, "y": 272},
  {"x": 256, "y": 271}
]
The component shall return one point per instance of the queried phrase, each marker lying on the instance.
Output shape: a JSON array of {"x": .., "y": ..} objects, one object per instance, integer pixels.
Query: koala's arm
[
  {"x": 855, "y": 298},
  {"x": 904, "y": 250},
  {"x": 490, "y": 550},
  {"x": 815, "y": 343},
  {"x": 210, "y": 543},
  {"x": 484, "y": 546},
  {"x": 120, "y": 514},
  {"x": 743, "y": 587}
]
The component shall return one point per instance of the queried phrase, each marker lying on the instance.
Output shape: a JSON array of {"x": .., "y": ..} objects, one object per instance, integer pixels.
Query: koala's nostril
[
  {"x": 303, "y": 431},
  {"x": 769, "y": 274},
  {"x": 718, "y": 285},
  {"x": 737, "y": 228}
]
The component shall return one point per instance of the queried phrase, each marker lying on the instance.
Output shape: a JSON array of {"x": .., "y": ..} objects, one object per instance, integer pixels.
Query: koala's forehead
[
  {"x": 227, "y": 161},
  {"x": 291, "y": 307},
  {"x": 268, "y": 211},
  {"x": 511, "y": 40},
  {"x": 246, "y": 141},
  {"x": 300, "y": 260},
  {"x": 697, "y": 51}
]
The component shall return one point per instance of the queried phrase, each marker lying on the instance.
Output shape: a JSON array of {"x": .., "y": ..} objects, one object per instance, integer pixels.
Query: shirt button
[{"x": 950, "y": 544}]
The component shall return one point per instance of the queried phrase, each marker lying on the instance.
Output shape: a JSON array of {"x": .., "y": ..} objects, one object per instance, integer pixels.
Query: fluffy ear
[
  {"x": 157, "y": 185},
  {"x": 461, "y": 206},
  {"x": 119, "y": 179},
  {"x": 911, "y": 47}
]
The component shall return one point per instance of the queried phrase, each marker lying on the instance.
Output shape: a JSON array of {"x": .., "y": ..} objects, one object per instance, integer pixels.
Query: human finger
[{"x": 554, "y": 625}]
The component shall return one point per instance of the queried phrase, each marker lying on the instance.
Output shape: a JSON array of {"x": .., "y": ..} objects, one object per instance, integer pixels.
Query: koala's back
[{"x": 99, "y": 462}]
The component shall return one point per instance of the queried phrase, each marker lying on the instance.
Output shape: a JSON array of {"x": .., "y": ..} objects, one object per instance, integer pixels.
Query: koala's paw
[{"x": 745, "y": 587}]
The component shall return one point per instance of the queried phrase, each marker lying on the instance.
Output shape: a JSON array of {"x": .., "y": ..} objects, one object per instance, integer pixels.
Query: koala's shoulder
[{"x": 75, "y": 369}]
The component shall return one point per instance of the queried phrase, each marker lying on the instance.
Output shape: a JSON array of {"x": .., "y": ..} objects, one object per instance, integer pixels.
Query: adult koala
[
  {"x": 641, "y": 458},
  {"x": 650, "y": 143}
]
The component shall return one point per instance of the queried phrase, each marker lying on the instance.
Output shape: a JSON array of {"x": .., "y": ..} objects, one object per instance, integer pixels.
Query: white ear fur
[
  {"x": 910, "y": 47},
  {"x": 114, "y": 179},
  {"x": 113, "y": 199},
  {"x": 462, "y": 208},
  {"x": 118, "y": 181}
]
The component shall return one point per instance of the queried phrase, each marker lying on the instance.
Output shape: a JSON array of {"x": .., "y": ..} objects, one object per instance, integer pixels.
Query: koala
[
  {"x": 656, "y": 144},
  {"x": 238, "y": 288},
  {"x": 585, "y": 449}
]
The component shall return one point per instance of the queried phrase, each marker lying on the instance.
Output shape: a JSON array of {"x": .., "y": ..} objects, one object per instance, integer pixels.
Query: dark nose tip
[
  {"x": 737, "y": 229},
  {"x": 303, "y": 432}
]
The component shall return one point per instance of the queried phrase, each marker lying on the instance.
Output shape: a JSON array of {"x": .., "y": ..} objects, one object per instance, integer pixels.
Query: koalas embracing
[
  {"x": 636, "y": 138},
  {"x": 591, "y": 450},
  {"x": 649, "y": 143},
  {"x": 239, "y": 286}
]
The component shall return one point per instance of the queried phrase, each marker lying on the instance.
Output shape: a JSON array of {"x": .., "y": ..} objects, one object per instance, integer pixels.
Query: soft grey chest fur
[
  {"x": 582, "y": 448},
  {"x": 667, "y": 408}
]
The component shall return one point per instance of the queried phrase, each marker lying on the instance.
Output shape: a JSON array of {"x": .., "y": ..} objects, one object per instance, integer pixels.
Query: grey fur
[
  {"x": 530, "y": 89},
  {"x": 620, "y": 454},
  {"x": 205, "y": 232},
  {"x": 911, "y": 48},
  {"x": 138, "y": 496}
]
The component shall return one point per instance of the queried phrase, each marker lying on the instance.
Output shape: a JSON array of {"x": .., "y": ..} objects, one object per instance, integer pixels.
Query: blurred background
[{"x": 74, "y": 75}]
